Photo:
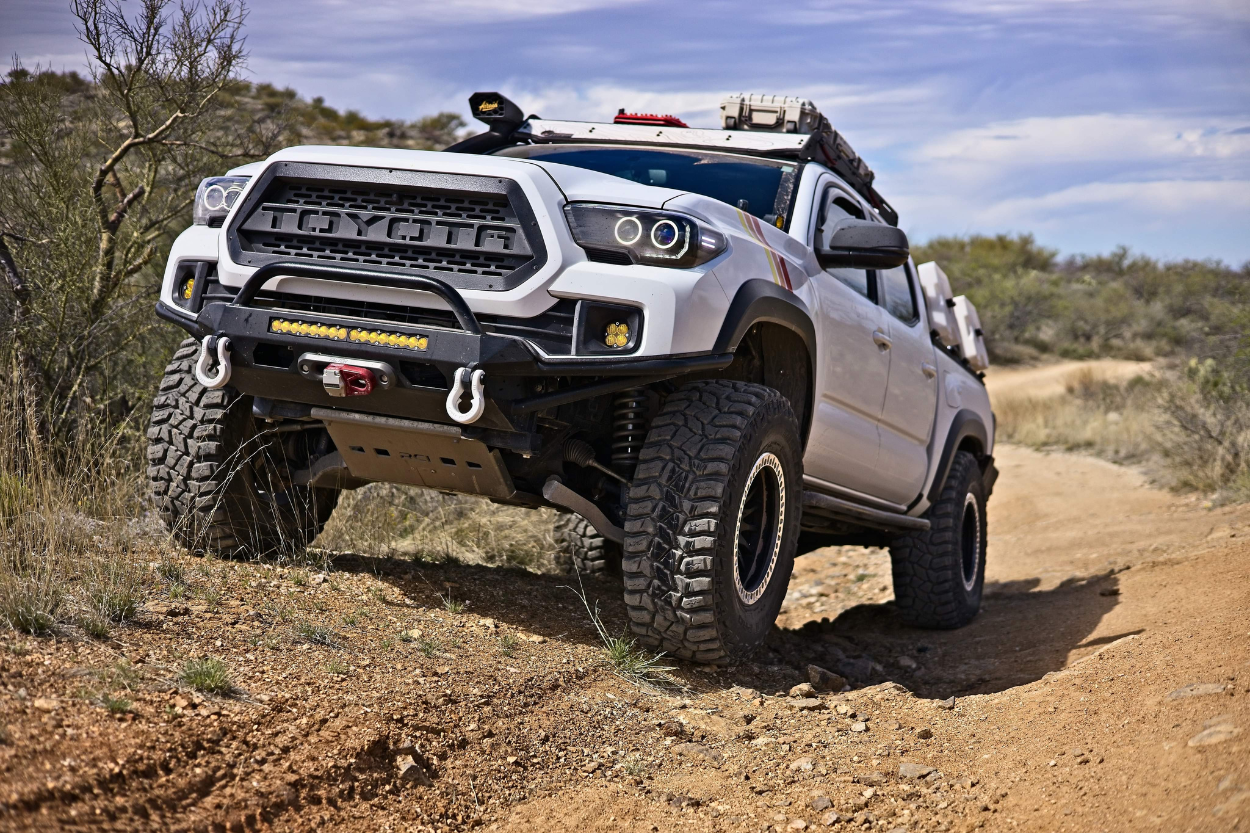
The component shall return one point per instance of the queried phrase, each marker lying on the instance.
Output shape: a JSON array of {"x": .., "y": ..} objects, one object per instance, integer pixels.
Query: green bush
[{"x": 1033, "y": 304}]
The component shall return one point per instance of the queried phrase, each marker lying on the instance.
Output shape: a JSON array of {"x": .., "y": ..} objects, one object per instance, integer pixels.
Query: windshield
[{"x": 758, "y": 186}]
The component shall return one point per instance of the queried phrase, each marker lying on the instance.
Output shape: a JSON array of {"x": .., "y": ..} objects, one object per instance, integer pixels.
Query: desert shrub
[
  {"x": 98, "y": 176},
  {"x": 1033, "y": 304},
  {"x": 1206, "y": 428}
]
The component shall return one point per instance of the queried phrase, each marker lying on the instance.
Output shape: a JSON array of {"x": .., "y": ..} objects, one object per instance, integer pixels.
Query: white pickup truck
[{"x": 710, "y": 345}]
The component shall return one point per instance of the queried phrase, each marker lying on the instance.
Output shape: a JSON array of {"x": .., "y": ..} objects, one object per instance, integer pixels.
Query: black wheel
[
  {"x": 220, "y": 477},
  {"x": 712, "y": 521},
  {"x": 939, "y": 574},
  {"x": 580, "y": 548}
]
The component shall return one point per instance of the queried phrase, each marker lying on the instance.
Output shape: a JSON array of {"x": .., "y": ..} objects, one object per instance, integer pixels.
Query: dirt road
[{"x": 1105, "y": 686}]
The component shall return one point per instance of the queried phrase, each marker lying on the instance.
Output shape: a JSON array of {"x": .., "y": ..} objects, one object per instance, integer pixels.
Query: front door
[{"x": 853, "y": 369}]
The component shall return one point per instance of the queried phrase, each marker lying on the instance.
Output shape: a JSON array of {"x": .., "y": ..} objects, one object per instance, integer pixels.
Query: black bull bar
[{"x": 505, "y": 359}]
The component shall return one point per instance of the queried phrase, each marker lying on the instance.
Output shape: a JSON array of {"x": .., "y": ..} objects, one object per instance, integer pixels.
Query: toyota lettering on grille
[{"x": 382, "y": 227}]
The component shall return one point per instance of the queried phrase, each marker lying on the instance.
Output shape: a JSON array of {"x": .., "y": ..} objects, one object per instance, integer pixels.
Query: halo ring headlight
[
  {"x": 635, "y": 227},
  {"x": 214, "y": 198},
  {"x": 643, "y": 236},
  {"x": 665, "y": 234}
]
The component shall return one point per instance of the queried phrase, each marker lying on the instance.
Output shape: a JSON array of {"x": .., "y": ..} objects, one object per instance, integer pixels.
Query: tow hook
[
  {"x": 478, "y": 399},
  {"x": 222, "y": 376},
  {"x": 348, "y": 380}
]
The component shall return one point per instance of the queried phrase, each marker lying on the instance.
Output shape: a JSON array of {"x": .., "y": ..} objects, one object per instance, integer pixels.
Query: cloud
[
  {"x": 1169, "y": 218},
  {"x": 1158, "y": 200},
  {"x": 1088, "y": 138},
  {"x": 1095, "y": 122},
  {"x": 436, "y": 13}
]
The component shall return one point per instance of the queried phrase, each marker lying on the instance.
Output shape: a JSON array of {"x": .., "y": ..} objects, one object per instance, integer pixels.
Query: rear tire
[
  {"x": 221, "y": 481},
  {"x": 939, "y": 574},
  {"x": 581, "y": 549},
  {"x": 712, "y": 521}
]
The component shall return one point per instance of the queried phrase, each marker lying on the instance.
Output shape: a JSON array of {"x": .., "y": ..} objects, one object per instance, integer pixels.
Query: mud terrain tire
[
  {"x": 580, "y": 548},
  {"x": 221, "y": 484},
  {"x": 939, "y": 574},
  {"x": 712, "y": 521}
]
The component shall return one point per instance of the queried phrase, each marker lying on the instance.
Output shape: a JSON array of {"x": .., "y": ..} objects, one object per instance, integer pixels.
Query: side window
[
  {"x": 837, "y": 206},
  {"x": 900, "y": 300}
]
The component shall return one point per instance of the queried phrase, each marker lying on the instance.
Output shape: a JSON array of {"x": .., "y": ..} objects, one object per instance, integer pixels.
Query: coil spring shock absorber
[{"x": 629, "y": 429}]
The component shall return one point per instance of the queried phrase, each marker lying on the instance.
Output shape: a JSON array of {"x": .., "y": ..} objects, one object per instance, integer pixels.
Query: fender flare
[
  {"x": 966, "y": 425},
  {"x": 763, "y": 301},
  {"x": 759, "y": 301}
]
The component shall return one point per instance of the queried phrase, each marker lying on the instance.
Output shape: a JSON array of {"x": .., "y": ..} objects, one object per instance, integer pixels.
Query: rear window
[{"x": 762, "y": 187}]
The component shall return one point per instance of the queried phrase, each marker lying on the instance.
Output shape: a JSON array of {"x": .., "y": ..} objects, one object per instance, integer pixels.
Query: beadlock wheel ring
[
  {"x": 761, "y": 521},
  {"x": 970, "y": 542}
]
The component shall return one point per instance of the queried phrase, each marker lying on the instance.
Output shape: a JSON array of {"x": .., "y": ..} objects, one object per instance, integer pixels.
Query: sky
[{"x": 1088, "y": 123}]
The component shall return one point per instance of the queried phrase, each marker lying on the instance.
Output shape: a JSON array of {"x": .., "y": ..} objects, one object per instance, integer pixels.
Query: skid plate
[{"x": 416, "y": 458}]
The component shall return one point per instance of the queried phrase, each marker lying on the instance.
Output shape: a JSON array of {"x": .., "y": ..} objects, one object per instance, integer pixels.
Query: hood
[
  {"x": 581, "y": 185},
  {"x": 577, "y": 184}
]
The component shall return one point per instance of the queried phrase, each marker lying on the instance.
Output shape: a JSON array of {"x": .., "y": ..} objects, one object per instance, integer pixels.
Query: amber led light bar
[{"x": 380, "y": 338}]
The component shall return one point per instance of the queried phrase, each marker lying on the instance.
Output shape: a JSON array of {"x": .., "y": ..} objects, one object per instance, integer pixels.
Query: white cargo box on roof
[
  {"x": 770, "y": 113},
  {"x": 939, "y": 299},
  {"x": 971, "y": 339}
]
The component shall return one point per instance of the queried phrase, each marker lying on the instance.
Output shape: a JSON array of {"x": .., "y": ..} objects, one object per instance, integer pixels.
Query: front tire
[
  {"x": 939, "y": 574},
  {"x": 581, "y": 549},
  {"x": 221, "y": 480},
  {"x": 712, "y": 521}
]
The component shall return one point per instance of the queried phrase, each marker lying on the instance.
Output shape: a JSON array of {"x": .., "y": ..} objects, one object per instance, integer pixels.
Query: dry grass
[
  {"x": 1190, "y": 427},
  {"x": 1092, "y": 414},
  {"x": 383, "y": 519},
  {"x": 70, "y": 549}
]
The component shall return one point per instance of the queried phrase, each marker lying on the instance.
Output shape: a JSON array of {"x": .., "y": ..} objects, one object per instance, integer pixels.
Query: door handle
[
  {"x": 881, "y": 339},
  {"x": 929, "y": 370}
]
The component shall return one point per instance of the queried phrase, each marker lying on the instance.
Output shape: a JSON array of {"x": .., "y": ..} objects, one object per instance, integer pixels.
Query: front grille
[
  {"x": 373, "y": 254},
  {"x": 472, "y": 232},
  {"x": 427, "y": 204},
  {"x": 551, "y": 330}
]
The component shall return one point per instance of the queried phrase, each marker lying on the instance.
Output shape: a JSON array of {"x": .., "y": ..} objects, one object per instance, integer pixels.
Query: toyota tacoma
[{"x": 709, "y": 348}]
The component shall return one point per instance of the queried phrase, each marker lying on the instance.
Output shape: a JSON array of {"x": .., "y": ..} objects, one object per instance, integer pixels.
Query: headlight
[
  {"x": 656, "y": 238},
  {"x": 215, "y": 197}
]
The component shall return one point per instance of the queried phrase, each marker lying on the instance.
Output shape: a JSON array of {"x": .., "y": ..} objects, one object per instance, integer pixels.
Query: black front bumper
[{"x": 265, "y": 362}]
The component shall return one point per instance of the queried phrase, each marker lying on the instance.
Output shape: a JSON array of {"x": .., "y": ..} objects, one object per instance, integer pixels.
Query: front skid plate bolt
[{"x": 478, "y": 398}]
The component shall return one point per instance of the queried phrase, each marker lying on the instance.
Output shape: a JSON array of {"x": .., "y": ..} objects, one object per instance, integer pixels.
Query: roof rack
[
  {"x": 829, "y": 148},
  {"x": 823, "y": 144}
]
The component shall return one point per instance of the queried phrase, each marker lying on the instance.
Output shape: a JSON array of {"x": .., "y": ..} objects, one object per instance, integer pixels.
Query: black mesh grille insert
[
  {"x": 375, "y": 254},
  {"x": 429, "y": 204},
  {"x": 473, "y": 232}
]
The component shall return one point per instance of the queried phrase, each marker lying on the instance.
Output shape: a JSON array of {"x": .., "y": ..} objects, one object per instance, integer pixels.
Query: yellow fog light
[
  {"x": 187, "y": 287},
  {"x": 617, "y": 335}
]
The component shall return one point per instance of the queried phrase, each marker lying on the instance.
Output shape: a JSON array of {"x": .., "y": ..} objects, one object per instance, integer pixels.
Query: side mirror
[{"x": 863, "y": 244}]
